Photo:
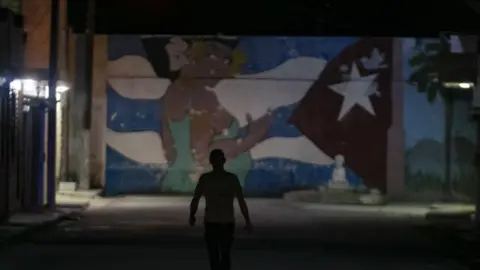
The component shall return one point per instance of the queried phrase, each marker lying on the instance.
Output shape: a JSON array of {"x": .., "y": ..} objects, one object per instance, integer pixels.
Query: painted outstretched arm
[{"x": 256, "y": 132}]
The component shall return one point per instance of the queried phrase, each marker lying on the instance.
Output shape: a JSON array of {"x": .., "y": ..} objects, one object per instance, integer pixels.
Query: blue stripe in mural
[
  {"x": 269, "y": 177},
  {"x": 119, "y": 46},
  {"x": 275, "y": 176},
  {"x": 126, "y": 175},
  {"x": 129, "y": 115},
  {"x": 265, "y": 53},
  {"x": 280, "y": 126}
]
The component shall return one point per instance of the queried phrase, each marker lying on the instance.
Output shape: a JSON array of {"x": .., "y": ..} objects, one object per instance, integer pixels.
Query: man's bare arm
[
  {"x": 196, "y": 197},
  {"x": 241, "y": 200}
]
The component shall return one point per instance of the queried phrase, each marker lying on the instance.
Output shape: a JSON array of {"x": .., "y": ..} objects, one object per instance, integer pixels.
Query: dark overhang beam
[{"x": 457, "y": 67}]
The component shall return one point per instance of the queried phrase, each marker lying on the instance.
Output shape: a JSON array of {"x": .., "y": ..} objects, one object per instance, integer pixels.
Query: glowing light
[
  {"x": 464, "y": 85},
  {"x": 34, "y": 88},
  {"x": 461, "y": 85}
]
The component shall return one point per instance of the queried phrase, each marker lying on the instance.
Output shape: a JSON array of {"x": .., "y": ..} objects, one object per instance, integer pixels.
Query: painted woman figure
[{"x": 193, "y": 121}]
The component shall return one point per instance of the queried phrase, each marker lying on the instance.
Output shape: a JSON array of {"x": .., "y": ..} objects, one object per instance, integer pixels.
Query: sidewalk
[
  {"x": 20, "y": 226},
  {"x": 438, "y": 213}
]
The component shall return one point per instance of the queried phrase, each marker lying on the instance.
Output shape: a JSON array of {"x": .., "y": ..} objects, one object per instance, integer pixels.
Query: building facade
[
  {"x": 285, "y": 110},
  {"x": 15, "y": 185},
  {"x": 24, "y": 65}
]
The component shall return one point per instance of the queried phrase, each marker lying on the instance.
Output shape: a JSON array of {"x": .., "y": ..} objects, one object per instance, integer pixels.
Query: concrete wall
[
  {"x": 79, "y": 143},
  {"x": 281, "y": 108},
  {"x": 99, "y": 111},
  {"x": 261, "y": 100},
  {"x": 37, "y": 26}
]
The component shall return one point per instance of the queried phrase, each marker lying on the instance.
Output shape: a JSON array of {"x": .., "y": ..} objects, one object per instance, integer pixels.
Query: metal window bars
[{"x": 22, "y": 121}]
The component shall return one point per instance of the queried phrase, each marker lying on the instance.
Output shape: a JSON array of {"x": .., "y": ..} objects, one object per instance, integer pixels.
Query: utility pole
[
  {"x": 476, "y": 115},
  {"x": 475, "y": 6},
  {"x": 89, "y": 38},
  {"x": 51, "y": 108}
]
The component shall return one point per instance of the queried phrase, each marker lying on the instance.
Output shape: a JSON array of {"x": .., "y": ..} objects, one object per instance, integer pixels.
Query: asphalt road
[{"x": 152, "y": 234}]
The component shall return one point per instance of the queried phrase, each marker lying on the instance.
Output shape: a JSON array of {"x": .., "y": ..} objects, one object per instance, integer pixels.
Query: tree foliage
[{"x": 425, "y": 63}]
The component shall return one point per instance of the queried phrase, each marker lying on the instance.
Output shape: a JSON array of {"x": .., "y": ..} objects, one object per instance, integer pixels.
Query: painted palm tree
[{"x": 425, "y": 68}]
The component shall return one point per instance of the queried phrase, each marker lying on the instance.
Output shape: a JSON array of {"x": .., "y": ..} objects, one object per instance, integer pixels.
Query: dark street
[{"x": 127, "y": 233}]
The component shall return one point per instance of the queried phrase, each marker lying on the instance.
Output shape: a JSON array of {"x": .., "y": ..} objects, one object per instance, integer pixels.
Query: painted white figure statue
[{"x": 339, "y": 175}]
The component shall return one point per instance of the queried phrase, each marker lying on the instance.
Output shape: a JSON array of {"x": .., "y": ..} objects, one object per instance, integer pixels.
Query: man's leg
[
  {"x": 212, "y": 240},
  {"x": 226, "y": 242}
]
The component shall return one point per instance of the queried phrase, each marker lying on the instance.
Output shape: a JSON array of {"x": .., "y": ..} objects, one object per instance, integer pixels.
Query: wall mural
[
  {"x": 425, "y": 125},
  {"x": 290, "y": 113}
]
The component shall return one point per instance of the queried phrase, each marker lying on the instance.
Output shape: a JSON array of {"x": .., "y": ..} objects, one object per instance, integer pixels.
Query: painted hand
[
  {"x": 258, "y": 128},
  {"x": 170, "y": 154}
]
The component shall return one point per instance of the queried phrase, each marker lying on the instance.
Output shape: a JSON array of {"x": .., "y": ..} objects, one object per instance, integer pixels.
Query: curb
[
  {"x": 30, "y": 231},
  {"x": 77, "y": 194}
]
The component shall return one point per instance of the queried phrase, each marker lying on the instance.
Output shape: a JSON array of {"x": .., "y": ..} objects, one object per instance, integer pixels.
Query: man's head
[{"x": 217, "y": 158}]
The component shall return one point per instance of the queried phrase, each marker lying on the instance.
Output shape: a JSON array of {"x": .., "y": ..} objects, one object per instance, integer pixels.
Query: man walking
[{"x": 219, "y": 188}]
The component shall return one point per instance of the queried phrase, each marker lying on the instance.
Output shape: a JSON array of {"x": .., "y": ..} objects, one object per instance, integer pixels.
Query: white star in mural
[{"x": 356, "y": 91}]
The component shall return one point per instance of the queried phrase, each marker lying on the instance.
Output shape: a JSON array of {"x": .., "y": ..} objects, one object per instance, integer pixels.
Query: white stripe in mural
[
  {"x": 146, "y": 147},
  {"x": 255, "y": 94},
  {"x": 274, "y": 87},
  {"x": 257, "y": 97},
  {"x": 142, "y": 147},
  {"x": 299, "y": 149},
  {"x": 130, "y": 66},
  {"x": 140, "y": 88}
]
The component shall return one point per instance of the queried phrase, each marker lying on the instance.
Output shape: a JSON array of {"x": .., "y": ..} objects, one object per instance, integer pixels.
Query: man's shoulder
[
  {"x": 230, "y": 175},
  {"x": 223, "y": 174},
  {"x": 205, "y": 176}
]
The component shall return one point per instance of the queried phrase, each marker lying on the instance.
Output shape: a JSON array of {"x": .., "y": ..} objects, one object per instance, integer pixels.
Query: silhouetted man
[{"x": 219, "y": 188}]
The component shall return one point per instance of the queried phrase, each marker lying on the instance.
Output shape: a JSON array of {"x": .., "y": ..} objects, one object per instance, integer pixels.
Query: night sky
[{"x": 281, "y": 17}]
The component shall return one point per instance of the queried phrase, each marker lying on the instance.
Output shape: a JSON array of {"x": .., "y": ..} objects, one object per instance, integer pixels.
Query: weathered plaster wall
[
  {"x": 37, "y": 26},
  {"x": 79, "y": 138},
  {"x": 280, "y": 107},
  {"x": 99, "y": 111}
]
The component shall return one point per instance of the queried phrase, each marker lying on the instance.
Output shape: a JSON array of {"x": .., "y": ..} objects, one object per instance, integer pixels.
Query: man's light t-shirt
[{"x": 219, "y": 189}]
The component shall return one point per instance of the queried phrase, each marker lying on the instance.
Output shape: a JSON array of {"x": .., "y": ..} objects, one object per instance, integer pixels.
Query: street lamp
[
  {"x": 37, "y": 88},
  {"x": 459, "y": 85},
  {"x": 465, "y": 85},
  {"x": 461, "y": 71}
]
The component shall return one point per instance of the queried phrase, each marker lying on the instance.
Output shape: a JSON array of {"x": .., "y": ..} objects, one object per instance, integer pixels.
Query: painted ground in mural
[{"x": 286, "y": 111}]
